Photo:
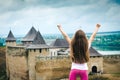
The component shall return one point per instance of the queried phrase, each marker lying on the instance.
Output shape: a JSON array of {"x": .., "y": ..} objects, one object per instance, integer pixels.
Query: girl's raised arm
[
  {"x": 64, "y": 34},
  {"x": 94, "y": 33}
]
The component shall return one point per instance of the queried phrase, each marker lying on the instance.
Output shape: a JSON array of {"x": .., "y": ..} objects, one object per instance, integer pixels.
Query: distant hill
[{"x": 110, "y": 32}]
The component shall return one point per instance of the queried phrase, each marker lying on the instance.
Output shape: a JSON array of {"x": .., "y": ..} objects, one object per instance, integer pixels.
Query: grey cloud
[
  {"x": 11, "y": 5},
  {"x": 14, "y": 5},
  {"x": 114, "y": 1}
]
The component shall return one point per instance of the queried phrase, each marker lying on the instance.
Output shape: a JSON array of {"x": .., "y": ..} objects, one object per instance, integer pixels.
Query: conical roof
[
  {"x": 63, "y": 43},
  {"x": 30, "y": 35},
  {"x": 60, "y": 43},
  {"x": 38, "y": 39},
  {"x": 10, "y": 37},
  {"x": 94, "y": 52}
]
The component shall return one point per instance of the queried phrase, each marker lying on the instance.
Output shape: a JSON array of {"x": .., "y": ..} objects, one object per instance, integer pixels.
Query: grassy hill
[{"x": 112, "y": 68}]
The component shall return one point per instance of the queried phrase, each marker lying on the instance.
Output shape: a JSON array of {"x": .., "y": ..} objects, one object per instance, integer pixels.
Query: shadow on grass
[{"x": 3, "y": 72}]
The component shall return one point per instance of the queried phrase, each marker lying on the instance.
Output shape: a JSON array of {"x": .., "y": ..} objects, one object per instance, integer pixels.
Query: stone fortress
[{"x": 35, "y": 60}]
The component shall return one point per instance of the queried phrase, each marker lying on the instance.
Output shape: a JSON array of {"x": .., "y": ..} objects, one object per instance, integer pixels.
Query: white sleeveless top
[{"x": 82, "y": 66}]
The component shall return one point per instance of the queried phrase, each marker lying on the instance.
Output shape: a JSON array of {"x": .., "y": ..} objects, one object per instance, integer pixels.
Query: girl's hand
[
  {"x": 64, "y": 34},
  {"x": 59, "y": 26},
  {"x": 94, "y": 33},
  {"x": 98, "y": 25}
]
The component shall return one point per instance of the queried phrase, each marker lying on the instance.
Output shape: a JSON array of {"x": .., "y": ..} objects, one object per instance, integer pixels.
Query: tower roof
[
  {"x": 38, "y": 39},
  {"x": 63, "y": 43},
  {"x": 30, "y": 35},
  {"x": 60, "y": 43},
  {"x": 10, "y": 37},
  {"x": 94, "y": 52}
]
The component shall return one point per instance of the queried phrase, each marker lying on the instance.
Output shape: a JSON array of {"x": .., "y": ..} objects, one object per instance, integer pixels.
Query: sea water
[{"x": 104, "y": 42}]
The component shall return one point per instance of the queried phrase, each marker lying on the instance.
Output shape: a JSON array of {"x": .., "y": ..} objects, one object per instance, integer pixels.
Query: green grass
[
  {"x": 2, "y": 46},
  {"x": 116, "y": 75},
  {"x": 95, "y": 77}
]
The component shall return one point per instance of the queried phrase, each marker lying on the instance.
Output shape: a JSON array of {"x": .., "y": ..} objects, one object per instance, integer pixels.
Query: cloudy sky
[{"x": 44, "y": 15}]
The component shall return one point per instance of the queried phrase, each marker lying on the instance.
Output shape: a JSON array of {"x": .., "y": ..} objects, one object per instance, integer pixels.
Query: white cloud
[{"x": 45, "y": 17}]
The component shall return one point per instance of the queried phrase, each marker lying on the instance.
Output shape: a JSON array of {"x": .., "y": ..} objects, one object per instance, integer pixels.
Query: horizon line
[{"x": 60, "y": 33}]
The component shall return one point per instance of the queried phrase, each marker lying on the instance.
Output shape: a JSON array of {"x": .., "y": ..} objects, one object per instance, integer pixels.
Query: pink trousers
[{"x": 74, "y": 73}]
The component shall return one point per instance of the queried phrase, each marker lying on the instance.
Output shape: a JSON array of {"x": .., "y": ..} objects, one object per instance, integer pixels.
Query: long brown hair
[{"x": 79, "y": 48}]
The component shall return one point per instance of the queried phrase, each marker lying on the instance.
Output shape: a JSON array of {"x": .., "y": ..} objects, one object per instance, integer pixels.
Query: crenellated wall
[
  {"x": 115, "y": 56},
  {"x": 51, "y": 68},
  {"x": 11, "y": 43}
]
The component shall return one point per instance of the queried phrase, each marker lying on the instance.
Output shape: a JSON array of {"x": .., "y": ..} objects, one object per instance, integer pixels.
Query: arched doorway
[{"x": 94, "y": 69}]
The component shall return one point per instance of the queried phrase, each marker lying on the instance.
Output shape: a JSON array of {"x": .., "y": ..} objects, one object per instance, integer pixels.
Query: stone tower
[
  {"x": 95, "y": 63},
  {"x": 16, "y": 59},
  {"x": 35, "y": 45}
]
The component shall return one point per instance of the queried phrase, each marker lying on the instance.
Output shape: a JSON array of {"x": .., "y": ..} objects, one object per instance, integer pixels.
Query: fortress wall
[
  {"x": 49, "y": 68},
  {"x": 32, "y": 64},
  {"x": 17, "y": 63},
  {"x": 96, "y": 61},
  {"x": 52, "y": 68}
]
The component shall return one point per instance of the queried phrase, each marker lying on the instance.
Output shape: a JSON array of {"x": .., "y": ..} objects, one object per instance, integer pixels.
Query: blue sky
[{"x": 44, "y": 15}]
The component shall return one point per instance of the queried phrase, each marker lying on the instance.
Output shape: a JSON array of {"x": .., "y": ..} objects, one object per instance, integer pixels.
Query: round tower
[{"x": 10, "y": 41}]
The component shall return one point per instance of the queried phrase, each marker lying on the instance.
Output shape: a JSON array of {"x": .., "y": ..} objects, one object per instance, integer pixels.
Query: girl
[{"x": 79, "y": 52}]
